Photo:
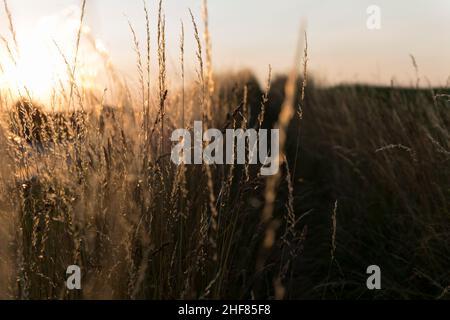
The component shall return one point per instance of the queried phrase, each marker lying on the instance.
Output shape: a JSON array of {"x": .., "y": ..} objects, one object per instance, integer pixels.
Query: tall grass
[{"x": 93, "y": 186}]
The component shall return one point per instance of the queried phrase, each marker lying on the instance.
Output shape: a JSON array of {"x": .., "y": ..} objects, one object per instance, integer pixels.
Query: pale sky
[{"x": 255, "y": 33}]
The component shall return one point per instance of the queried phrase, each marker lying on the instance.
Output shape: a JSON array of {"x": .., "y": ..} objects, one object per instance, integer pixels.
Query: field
[{"x": 364, "y": 180}]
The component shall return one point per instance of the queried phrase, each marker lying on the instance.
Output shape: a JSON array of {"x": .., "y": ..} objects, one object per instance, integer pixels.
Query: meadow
[{"x": 364, "y": 179}]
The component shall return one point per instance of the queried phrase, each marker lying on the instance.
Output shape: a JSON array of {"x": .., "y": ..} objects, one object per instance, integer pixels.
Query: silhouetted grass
[{"x": 364, "y": 180}]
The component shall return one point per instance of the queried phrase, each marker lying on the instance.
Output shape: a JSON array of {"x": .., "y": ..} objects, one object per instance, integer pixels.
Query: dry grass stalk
[
  {"x": 209, "y": 66},
  {"x": 79, "y": 193},
  {"x": 286, "y": 114},
  {"x": 205, "y": 104},
  {"x": 12, "y": 30},
  {"x": 77, "y": 48},
  {"x": 265, "y": 98},
  {"x": 333, "y": 230},
  {"x": 162, "y": 71}
]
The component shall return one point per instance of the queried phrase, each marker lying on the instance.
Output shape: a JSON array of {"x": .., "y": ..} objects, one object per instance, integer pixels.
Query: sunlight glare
[{"x": 38, "y": 68}]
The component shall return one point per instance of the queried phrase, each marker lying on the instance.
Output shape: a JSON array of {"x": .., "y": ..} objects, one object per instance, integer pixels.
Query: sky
[{"x": 252, "y": 34}]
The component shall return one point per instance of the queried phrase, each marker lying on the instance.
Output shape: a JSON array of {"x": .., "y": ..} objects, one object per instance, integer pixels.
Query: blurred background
[{"x": 246, "y": 34}]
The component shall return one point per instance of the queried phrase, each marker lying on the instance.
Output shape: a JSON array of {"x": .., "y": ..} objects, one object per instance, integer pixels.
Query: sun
[{"x": 37, "y": 67}]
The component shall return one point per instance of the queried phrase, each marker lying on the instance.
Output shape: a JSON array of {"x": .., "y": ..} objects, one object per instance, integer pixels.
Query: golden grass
[{"x": 92, "y": 185}]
